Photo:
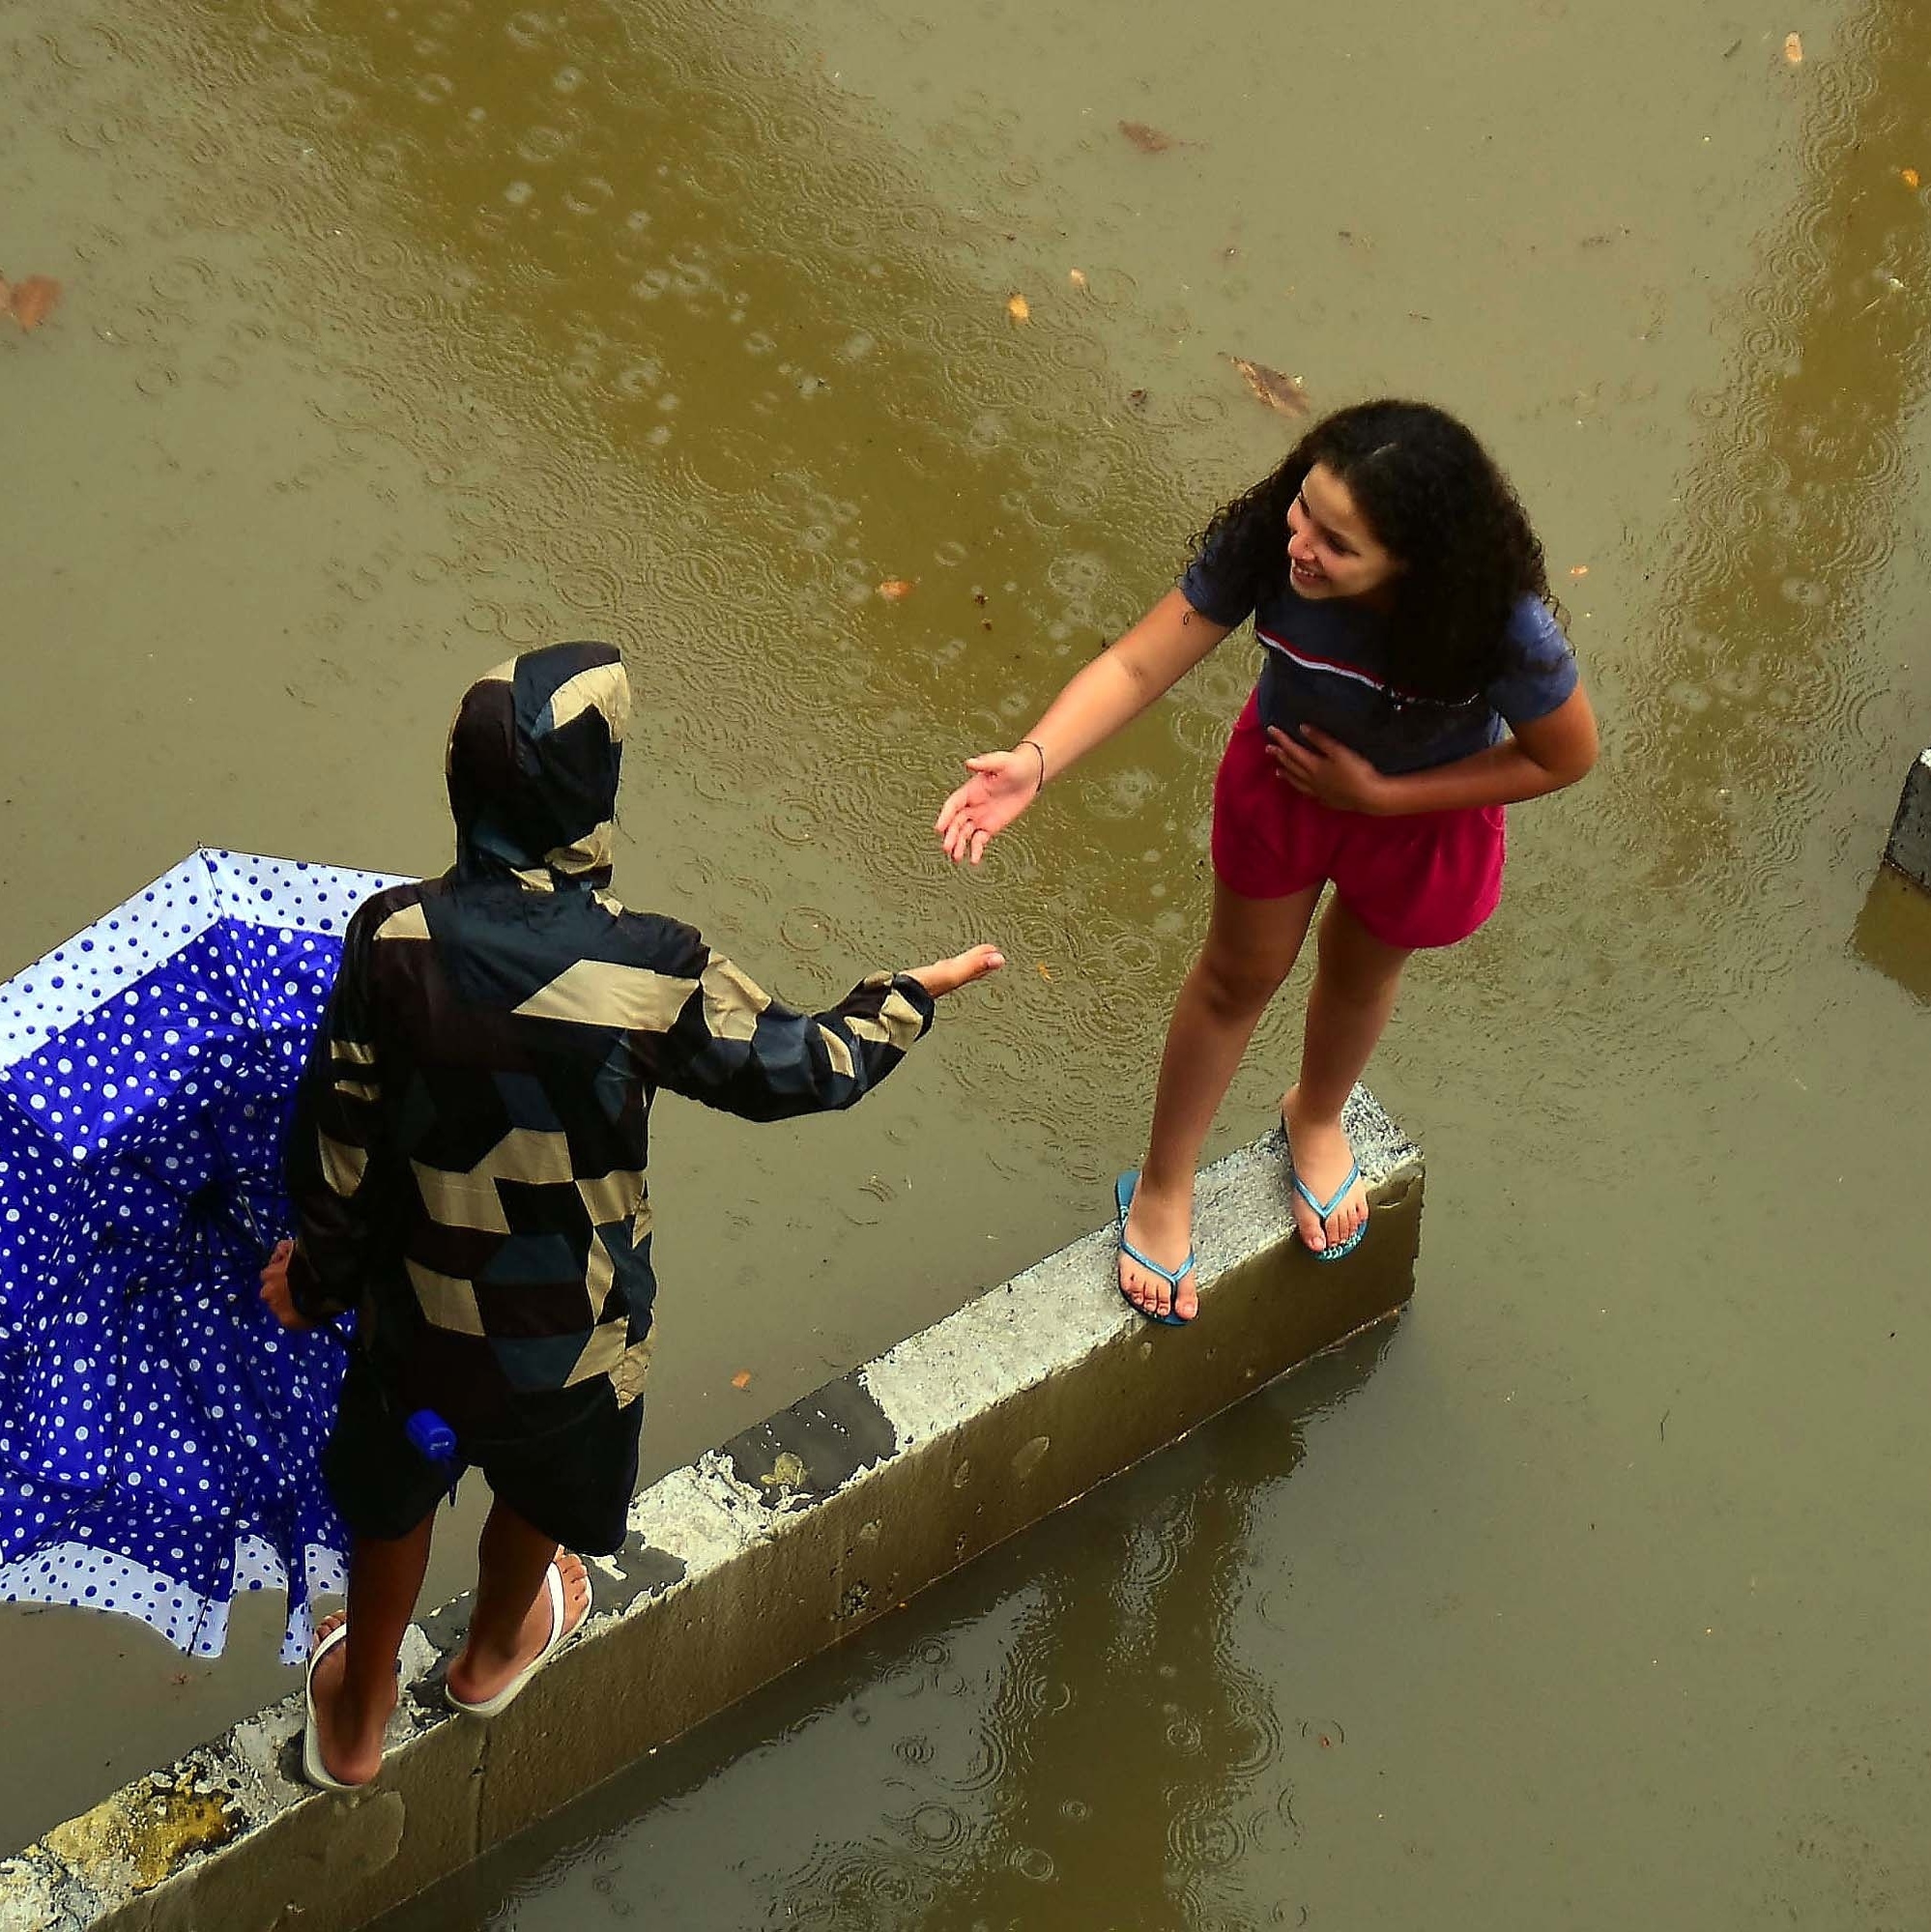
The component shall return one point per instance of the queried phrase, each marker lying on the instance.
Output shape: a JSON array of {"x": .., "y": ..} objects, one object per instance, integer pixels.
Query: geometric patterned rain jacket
[{"x": 467, "y": 1155}]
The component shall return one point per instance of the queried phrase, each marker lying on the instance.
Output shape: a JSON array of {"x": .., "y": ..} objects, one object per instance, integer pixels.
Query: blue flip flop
[
  {"x": 1324, "y": 1208},
  {"x": 1123, "y": 1192}
]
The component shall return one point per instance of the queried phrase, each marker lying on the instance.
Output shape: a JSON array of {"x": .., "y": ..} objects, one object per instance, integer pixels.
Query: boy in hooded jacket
[{"x": 467, "y": 1166}]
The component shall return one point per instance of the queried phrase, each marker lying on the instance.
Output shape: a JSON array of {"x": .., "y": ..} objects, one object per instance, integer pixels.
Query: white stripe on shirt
[{"x": 1294, "y": 656}]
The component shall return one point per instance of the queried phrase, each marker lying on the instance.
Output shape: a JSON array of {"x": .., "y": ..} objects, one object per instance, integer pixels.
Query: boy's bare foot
[
  {"x": 1160, "y": 1226},
  {"x": 475, "y": 1675},
  {"x": 1322, "y": 1158},
  {"x": 350, "y": 1739}
]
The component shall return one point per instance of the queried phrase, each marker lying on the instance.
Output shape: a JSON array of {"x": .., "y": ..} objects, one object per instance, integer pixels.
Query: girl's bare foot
[
  {"x": 475, "y": 1675},
  {"x": 1322, "y": 1158},
  {"x": 350, "y": 1738},
  {"x": 1160, "y": 1226}
]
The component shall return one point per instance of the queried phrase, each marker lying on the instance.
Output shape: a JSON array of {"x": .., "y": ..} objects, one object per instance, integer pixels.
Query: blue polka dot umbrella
[{"x": 159, "y": 1431}]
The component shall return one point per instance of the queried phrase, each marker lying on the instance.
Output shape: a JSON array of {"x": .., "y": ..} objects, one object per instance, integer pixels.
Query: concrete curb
[
  {"x": 1908, "y": 847},
  {"x": 786, "y": 1538}
]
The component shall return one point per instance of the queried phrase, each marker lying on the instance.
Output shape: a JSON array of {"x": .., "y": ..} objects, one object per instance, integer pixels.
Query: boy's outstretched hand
[
  {"x": 943, "y": 976},
  {"x": 274, "y": 1289}
]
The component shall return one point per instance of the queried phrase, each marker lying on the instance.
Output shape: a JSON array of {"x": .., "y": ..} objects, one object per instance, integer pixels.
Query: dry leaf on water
[
  {"x": 1579, "y": 569},
  {"x": 742, "y": 1379},
  {"x": 1018, "y": 308},
  {"x": 1793, "y": 49},
  {"x": 1043, "y": 972},
  {"x": 32, "y": 301},
  {"x": 1148, "y": 140},
  {"x": 895, "y": 589},
  {"x": 1077, "y": 277},
  {"x": 1908, "y": 176},
  {"x": 1276, "y": 391}
]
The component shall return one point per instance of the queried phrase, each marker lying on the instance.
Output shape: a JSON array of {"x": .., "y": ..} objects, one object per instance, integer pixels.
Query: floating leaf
[
  {"x": 1909, "y": 177},
  {"x": 1793, "y": 49},
  {"x": 1579, "y": 569},
  {"x": 1276, "y": 391},
  {"x": 1018, "y": 308},
  {"x": 742, "y": 1379},
  {"x": 787, "y": 1472},
  {"x": 1043, "y": 972},
  {"x": 896, "y": 589},
  {"x": 32, "y": 301},
  {"x": 1148, "y": 140},
  {"x": 1077, "y": 277}
]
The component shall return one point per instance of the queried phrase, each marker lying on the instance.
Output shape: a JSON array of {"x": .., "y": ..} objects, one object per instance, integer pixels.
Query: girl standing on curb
[{"x": 1414, "y": 683}]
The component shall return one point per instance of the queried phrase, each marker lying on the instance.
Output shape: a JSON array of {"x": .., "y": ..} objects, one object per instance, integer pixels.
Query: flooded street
[{"x": 395, "y": 338}]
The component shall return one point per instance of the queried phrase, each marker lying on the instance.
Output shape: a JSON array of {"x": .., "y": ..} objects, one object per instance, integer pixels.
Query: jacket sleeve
[
  {"x": 734, "y": 1048},
  {"x": 334, "y": 1141}
]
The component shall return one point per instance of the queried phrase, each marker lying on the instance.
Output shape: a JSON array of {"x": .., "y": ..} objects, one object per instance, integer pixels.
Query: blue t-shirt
[{"x": 1325, "y": 664}]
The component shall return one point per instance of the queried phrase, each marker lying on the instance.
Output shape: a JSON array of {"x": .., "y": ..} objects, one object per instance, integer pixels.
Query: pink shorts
[{"x": 1428, "y": 879}]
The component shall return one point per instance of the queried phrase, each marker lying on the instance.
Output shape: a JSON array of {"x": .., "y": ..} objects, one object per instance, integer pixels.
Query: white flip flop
[
  {"x": 559, "y": 1634},
  {"x": 313, "y": 1768}
]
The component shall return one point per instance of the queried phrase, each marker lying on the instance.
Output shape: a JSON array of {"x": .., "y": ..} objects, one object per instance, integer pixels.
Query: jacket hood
[{"x": 532, "y": 765}]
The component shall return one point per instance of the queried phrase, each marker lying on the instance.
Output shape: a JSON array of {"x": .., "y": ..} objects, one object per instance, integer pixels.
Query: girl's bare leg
[
  {"x": 1356, "y": 980},
  {"x": 1251, "y": 947}
]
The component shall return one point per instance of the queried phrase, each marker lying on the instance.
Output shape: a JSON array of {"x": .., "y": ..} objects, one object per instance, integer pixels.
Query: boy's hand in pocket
[{"x": 945, "y": 976}]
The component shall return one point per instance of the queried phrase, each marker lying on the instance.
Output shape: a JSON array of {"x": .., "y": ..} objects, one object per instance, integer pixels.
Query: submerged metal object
[{"x": 1909, "y": 847}]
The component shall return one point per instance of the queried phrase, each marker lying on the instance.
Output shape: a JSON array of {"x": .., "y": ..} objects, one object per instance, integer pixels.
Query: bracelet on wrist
[{"x": 1041, "y": 750}]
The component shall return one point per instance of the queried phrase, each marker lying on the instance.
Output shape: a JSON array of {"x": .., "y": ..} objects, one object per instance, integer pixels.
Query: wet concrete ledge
[
  {"x": 1908, "y": 849},
  {"x": 786, "y": 1538}
]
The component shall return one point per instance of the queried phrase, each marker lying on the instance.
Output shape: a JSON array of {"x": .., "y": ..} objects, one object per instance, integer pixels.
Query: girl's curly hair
[{"x": 1434, "y": 497}]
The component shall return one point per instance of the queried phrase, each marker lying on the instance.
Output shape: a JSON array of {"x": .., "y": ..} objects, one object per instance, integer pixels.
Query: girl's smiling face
[{"x": 1331, "y": 550}]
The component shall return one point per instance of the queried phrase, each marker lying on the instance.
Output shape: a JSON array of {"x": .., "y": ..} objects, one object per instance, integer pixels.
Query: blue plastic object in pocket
[{"x": 435, "y": 1441}]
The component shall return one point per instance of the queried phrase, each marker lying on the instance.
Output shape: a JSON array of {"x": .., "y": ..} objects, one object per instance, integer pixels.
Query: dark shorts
[{"x": 574, "y": 1483}]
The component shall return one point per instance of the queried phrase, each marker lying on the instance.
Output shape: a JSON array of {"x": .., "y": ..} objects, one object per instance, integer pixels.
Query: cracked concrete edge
[
  {"x": 1909, "y": 847},
  {"x": 119, "y": 1863},
  {"x": 733, "y": 1543}
]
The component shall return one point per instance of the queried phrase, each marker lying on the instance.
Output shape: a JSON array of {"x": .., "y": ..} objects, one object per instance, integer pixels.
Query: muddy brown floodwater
[{"x": 398, "y": 336}]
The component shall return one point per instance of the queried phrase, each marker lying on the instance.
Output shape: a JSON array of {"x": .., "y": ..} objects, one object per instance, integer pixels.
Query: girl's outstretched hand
[
  {"x": 943, "y": 976},
  {"x": 1003, "y": 785}
]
